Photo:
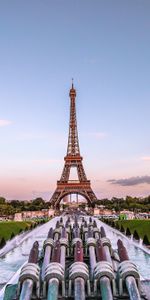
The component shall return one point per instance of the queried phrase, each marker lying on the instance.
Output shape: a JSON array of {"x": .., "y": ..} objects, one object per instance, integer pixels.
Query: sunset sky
[{"x": 105, "y": 46}]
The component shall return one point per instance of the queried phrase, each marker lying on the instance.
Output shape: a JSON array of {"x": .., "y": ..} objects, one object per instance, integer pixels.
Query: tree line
[
  {"x": 135, "y": 204},
  {"x": 14, "y": 206},
  {"x": 127, "y": 231}
]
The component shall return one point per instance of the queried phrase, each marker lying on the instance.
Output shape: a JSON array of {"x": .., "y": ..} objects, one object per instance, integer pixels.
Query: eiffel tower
[{"x": 82, "y": 186}]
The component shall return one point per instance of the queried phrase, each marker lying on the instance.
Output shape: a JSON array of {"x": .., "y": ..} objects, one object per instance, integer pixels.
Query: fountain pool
[{"x": 14, "y": 259}]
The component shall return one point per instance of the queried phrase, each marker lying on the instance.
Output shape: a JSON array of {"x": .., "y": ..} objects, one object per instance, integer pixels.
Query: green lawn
[
  {"x": 6, "y": 228},
  {"x": 141, "y": 226}
]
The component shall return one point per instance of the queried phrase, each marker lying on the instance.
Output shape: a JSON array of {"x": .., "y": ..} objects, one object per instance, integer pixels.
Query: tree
[
  {"x": 122, "y": 229},
  {"x": 128, "y": 233},
  {"x": 2, "y": 243},
  {"x": 38, "y": 201},
  {"x": 135, "y": 235},
  {"x": 6, "y": 209},
  {"x": 2, "y": 200},
  {"x": 146, "y": 240},
  {"x": 113, "y": 224},
  {"x": 117, "y": 226},
  {"x": 15, "y": 203},
  {"x": 12, "y": 235}
]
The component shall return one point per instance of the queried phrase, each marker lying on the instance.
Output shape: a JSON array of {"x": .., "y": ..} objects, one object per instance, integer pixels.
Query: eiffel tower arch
[{"x": 73, "y": 159}]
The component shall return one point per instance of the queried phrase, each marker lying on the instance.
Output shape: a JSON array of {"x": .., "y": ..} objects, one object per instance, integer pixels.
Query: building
[{"x": 25, "y": 215}]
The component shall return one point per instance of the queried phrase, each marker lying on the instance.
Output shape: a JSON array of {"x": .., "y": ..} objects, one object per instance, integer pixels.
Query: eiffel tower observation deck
[{"x": 73, "y": 159}]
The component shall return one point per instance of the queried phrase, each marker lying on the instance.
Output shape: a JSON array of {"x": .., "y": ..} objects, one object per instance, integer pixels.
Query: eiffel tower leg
[
  {"x": 54, "y": 201},
  {"x": 91, "y": 197},
  {"x": 81, "y": 172}
]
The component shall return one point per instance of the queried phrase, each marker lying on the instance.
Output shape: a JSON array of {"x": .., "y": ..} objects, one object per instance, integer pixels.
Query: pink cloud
[
  {"x": 4, "y": 123},
  {"x": 146, "y": 158}
]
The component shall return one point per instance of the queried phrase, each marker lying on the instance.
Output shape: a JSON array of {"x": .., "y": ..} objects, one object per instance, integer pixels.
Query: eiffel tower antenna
[
  {"x": 72, "y": 83},
  {"x": 72, "y": 159}
]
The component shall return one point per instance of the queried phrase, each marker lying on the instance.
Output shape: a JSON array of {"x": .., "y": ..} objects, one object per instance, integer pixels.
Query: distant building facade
[
  {"x": 24, "y": 215},
  {"x": 101, "y": 211}
]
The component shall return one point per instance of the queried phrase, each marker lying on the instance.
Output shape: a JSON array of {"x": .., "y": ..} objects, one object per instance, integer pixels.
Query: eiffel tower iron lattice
[{"x": 82, "y": 186}]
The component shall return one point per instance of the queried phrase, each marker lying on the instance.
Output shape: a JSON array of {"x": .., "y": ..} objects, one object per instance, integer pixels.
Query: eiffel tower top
[
  {"x": 72, "y": 90},
  {"x": 73, "y": 142}
]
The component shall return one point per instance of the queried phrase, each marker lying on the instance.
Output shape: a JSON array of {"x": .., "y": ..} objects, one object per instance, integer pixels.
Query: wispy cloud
[
  {"x": 97, "y": 135},
  {"x": 5, "y": 123},
  {"x": 131, "y": 181},
  {"x": 145, "y": 158}
]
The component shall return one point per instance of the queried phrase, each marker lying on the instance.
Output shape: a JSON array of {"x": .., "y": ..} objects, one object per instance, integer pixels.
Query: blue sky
[{"x": 105, "y": 46}]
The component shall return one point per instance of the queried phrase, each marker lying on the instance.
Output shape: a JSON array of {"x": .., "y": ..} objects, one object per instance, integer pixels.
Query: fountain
[{"x": 77, "y": 258}]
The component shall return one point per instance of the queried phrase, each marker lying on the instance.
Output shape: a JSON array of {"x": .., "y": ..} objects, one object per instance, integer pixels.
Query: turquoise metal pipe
[
  {"x": 46, "y": 260},
  {"x": 47, "y": 253},
  {"x": 53, "y": 287},
  {"x": 79, "y": 290},
  {"x": 105, "y": 287},
  {"x": 132, "y": 288},
  {"x": 27, "y": 288},
  {"x": 92, "y": 259},
  {"x": 91, "y": 252}
]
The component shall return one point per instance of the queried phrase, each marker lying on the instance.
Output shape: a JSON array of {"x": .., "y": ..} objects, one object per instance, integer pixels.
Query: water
[
  {"x": 14, "y": 259},
  {"x": 135, "y": 251}
]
